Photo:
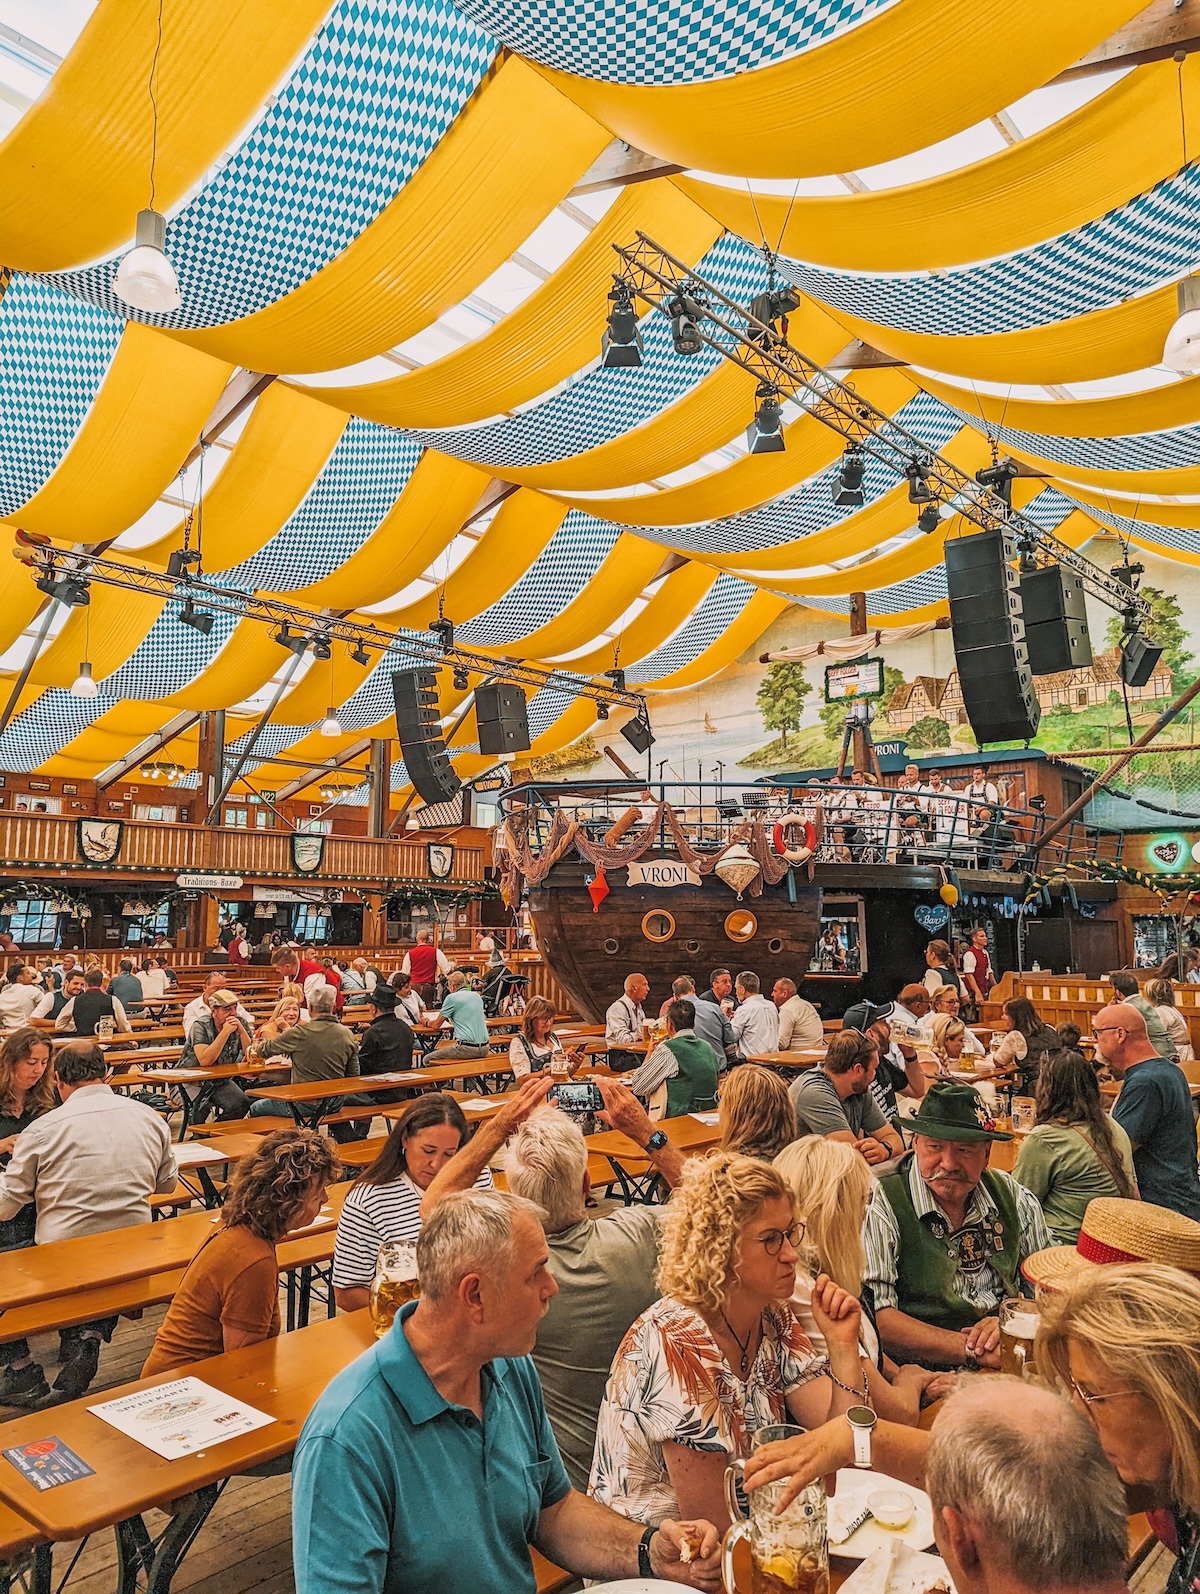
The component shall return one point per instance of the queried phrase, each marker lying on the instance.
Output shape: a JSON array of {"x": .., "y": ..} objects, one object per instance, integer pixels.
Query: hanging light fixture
[
  {"x": 919, "y": 490},
  {"x": 621, "y": 344},
  {"x": 332, "y": 726},
  {"x": 146, "y": 279},
  {"x": 764, "y": 434},
  {"x": 1181, "y": 352},
  {"x": 83, "y": 685},
  {"x": 930, "y": 518},
  {"x": 847, "y": 490}
]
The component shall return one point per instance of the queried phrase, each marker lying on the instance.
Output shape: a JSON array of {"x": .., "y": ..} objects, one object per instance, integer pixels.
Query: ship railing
[{"x": 856, "y": 824}]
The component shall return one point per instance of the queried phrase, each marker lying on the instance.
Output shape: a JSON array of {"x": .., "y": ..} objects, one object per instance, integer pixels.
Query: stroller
[{"x": 504, "y": 993}]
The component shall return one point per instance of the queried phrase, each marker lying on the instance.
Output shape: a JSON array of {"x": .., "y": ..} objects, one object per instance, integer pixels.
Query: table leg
[
  {"x": 32, "y": 1573},
  {"x": 306, "y": 1274},
  {"x": 146, "y": 1565},
  {"x": 291, "y": 1299},
  {"x": 212, "y": 1196}
]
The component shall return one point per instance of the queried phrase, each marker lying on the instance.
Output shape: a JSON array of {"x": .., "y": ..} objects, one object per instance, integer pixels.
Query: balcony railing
[{"x": 37, "y": 843}]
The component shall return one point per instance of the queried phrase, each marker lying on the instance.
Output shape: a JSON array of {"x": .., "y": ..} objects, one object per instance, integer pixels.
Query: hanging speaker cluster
[
  {"x": 419, "y": 730},
  {"x": 502, "y": 716},
  {"x": 1055, "y": 614},
  {"x": 987, "y": 623}
]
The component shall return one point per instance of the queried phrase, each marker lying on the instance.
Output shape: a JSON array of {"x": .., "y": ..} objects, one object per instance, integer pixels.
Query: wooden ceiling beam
[{"x": 1161, "y": 30}]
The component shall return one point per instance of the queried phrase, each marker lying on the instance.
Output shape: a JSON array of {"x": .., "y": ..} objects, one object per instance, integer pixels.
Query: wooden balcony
[{"x": 47, "y": 844}]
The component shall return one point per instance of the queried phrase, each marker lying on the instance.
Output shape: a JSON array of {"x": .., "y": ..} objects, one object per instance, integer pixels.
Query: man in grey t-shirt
[
  {"x": 604, "y": 1267},
  {"x": 835, "y": 1100}
]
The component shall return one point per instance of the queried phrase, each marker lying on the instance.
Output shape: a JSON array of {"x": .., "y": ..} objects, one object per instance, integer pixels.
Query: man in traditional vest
[
  {"x": 685, "y": 1063},
  {"x": 945, "y": 1237}
]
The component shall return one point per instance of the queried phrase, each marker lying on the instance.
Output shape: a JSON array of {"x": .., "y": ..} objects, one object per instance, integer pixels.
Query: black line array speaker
[
  {"x": 502, "y": 716},
  {"x": 420, "y": 733},
  {"x": 1056, "y": 629},
  {"x": 1139, "y": 659},
  {"x": 987, "y": 624}
]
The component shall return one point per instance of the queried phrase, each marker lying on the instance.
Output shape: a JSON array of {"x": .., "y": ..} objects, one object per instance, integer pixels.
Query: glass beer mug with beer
[
  {"x": 395, "y": 1282},
  {"x": 1018, "y": 1330},
  {"x": 789, "y": 1554}
]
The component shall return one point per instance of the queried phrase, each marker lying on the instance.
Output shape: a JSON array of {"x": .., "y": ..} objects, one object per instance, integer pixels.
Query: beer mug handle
[
  {"x": 732, "y": 1503},
  {"x": 736, "y": 1532}
]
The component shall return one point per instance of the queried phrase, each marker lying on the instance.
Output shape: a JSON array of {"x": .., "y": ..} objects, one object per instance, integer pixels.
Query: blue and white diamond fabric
[
  {"x": 599, "y": 405},
  {"x": 378, "y": 90},
  {"x": 1185, "y": 539},
  {"x": 683, "y": 41},
  {"x": 810, "y": 507},
  {"x": 1134, "y": 248},
  {"x": 725, "y": 600},
  {"x": 559, "y": 574},
  {"x": 358, "y": 485},
  {"x": 168, "y": 658},
  {"x": 1137, "y": 451},
  {"x": 1049, "y": 509},
  {"x": 54, "y": 354}
]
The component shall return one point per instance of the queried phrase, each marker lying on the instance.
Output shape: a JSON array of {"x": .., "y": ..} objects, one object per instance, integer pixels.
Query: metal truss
[
  {"x": 50, "y": 563},
  {"x": 748, "y": 337}
]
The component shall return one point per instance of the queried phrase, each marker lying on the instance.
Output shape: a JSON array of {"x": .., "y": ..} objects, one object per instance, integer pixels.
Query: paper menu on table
[
  {"x": 709, "y": 1118},
  {"x": 179, "y": 1418}
]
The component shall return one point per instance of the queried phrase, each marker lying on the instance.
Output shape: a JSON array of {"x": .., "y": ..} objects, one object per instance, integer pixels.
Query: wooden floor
[{"x": 245, "y": 1547}]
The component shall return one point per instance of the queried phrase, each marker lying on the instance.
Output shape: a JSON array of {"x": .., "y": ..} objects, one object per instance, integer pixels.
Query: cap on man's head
[
  {"x": 950, "y": 1111},
  {"x": 222, "y": 999}
]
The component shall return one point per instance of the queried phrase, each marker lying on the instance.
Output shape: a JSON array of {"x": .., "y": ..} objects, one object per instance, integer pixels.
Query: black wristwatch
[
  {"x": 644, "y": 1567},
  {"x": 656, "y": 1141}
]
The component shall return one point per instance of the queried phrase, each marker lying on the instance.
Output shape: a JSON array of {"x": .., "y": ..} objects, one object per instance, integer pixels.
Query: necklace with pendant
[{"x": 743, "y": 1346}]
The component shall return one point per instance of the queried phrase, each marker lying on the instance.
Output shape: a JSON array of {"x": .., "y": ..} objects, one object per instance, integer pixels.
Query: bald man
[
  {"x": 1154, "y": 1108},
  {"x": 623, "y": 1022}
]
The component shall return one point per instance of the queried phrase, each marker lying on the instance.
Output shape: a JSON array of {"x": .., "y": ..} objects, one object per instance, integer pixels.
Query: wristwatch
[
  {"x": 862, "y": 1420},
  {"x": 644, "y": 1567},
  {"x": 656, "y": 1141}
]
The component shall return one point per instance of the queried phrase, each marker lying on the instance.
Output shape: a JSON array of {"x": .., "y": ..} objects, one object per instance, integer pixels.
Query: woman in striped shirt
[{"x": 385, "y": 1204}]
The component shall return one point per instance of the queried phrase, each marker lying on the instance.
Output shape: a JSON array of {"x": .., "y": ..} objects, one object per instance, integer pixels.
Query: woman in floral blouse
[{"x": 721, "y": 1354}]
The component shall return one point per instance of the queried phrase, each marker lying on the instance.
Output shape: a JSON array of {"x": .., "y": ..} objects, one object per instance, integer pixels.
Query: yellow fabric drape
[
  {"x": 74, "y": 171},
  {"x": 106, "y": 632},
  {"x": 704, "y": 419},
  {"x": 335, "y": 682},
  {"x": 1184, "y": 479},
  {"x": 868, "y": 95},
  {"x": 519, "y": 531},
  {"x": 1158, "y": 409},
  {"x": 1124, "y": 337},
  {"x": 545, "y": 339},
  {"x": 1100, "y": 157},
  {"x": 274, "y": 462},
  {"x": 508, "y": 159},
  {"x": 755, "y": 478},
  {"x": 247, "y": 661},
  {"x": 630, "y": 565},
  {"x": 147, "y": 415},
  {"x": 424, "y": 520},
  {"x": 1183, "y": 515},
  {"x": 110, "y": 737},
  {"x": 22, "y": 600},
  {"x": 681, "y": 593},
  {"x": 761, "y": 611}
]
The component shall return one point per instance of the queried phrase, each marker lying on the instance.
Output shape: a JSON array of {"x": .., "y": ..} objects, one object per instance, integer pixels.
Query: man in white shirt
[
  {"x": 199, "y": 1008},
  {"x": 980, "y": 789},
  {"x": 799, "y": 1022},
  {"x": 20, "y": 995},
  {"x": 94, "y": 1004},
  {"x": 624, "y": 1020},
  {"x": 755, "y": 1020},
  {"x": 88, "y": 1166},
  {"x": 154, "y": 983},
  {"x": 53, "y": 1002}
]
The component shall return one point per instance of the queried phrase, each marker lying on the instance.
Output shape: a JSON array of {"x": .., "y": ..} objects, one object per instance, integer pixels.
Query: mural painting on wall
[{"x": 756, "y": 719}]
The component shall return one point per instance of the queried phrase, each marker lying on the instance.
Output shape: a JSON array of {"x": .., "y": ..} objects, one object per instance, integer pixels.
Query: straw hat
[{"x": 1119, "y": 1231}]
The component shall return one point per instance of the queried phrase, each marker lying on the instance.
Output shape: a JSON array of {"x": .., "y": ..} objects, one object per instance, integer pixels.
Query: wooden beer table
[
  {"x": 631, "y": 1165},
  {"x": 797, "y": 1062},
  {"x": 207, "y": 1079}
]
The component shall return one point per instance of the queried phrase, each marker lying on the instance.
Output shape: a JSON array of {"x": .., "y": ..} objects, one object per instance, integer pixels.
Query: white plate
[{"x": 853, "y": 1487}]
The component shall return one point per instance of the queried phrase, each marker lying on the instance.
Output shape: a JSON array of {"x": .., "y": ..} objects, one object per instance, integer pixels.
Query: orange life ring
[{"x": 781, "y": 844}]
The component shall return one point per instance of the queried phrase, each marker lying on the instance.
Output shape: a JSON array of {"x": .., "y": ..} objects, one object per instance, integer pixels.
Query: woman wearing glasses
[{"x": 721, "y": 1354}]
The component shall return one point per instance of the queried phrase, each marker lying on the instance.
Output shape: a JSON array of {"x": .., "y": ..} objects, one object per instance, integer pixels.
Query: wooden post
[
  {"x": 861, "y": 735},
  {"x": 380, "y": 780}
]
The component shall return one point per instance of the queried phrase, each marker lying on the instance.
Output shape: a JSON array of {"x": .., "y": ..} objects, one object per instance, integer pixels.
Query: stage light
[
  {"x": 462, "y": 681},
  {"x": 617, "y": 677},
  {"x": 847, "y": 490},
  {"x": 146, "y": 278},
  {"x": 292, "y": 640},
  {"x": 331, "y": 725},
  {"x": 199, "y": 619},
  {"x": 1181, "y": 352},
  {"x": 601, "y": 711},
  {"x": 685, "y": 329},
  {"x": 321, "y": 646},
  {"x": 443, "y": 629},
  {"x": 359, "y": 654},
  {"x": 67, "y": 589},
  {"x": 764, "y": 434},
  {"x": 179, "y": 559},
  {"x": 919, "y": 490},
  {"x": 621, "y": 344},
  {"x": 999, "y": 479},
  {"x": 929, "y": 519},
  {"x": 83, "y": 685}
]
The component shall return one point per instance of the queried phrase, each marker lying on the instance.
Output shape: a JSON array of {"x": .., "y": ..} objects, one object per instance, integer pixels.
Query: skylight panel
[{"x": 1051, "y": 104}]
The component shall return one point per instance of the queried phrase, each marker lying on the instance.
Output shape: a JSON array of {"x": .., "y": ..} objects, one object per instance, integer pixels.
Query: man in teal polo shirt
[
  {"x": 428, "y": 1466},
  {"x": 462, "y": 1008}
]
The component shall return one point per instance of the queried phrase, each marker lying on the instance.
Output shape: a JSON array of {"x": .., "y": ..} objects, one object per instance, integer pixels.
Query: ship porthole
[
  {"x": 612, "y": 945},
  {"x": 691, "y": 947},
  {"x": 774, "y": 944},
  {"x": 741, "y": 925},
  {"x": 658, "y": 925}
]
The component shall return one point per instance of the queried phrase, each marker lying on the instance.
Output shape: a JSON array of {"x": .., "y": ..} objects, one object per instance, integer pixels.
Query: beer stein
[
  {"x": 1018, "y": 1331},
  {"x": 789, "y": 1554},
  {"x": 105, "y": 1028},
  {"x": 395, "y": 1282}
]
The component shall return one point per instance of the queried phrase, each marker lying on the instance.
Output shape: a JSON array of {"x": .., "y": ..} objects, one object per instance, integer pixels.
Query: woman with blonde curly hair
[
  {"x": 229, "y": 1295},
  {"x": 720, "y": 1355},
  {"x": 755, "y": 1112},
  {"x": 947, "y": 1041}
]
